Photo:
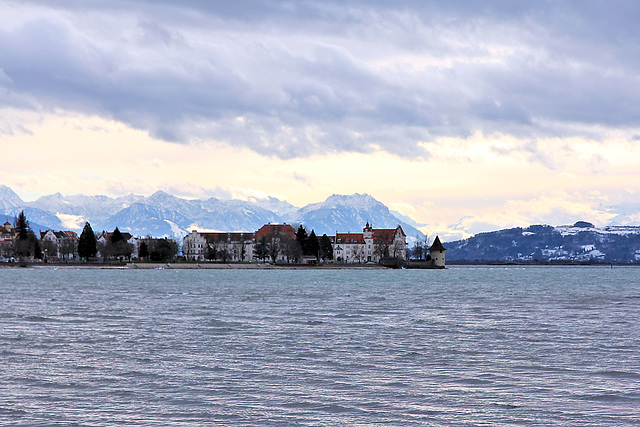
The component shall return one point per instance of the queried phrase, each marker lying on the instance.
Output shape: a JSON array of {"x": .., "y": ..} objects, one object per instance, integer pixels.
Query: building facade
[
  {"x": 59, "y": 245},
  {"x": 277, "y": 243},
  {"x": 104, "y": 238},
  {"x": 372, "y": 245},
  {"x": 198, "y": 246}
]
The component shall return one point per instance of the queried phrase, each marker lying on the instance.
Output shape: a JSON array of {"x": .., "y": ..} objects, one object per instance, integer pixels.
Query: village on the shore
[{"x": 277, "y": 244}]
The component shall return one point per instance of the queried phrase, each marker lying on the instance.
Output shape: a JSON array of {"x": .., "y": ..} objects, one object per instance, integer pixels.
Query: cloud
[{"x": 296, "y": 79}]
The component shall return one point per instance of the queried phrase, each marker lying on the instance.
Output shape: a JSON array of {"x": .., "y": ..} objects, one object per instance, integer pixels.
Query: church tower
[{"x": 367, "y": 231}]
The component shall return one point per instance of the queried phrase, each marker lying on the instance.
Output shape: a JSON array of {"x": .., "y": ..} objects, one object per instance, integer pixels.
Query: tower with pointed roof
[
  {"x": 437, "y": 253},
  {"x": 367, "y": 231}
]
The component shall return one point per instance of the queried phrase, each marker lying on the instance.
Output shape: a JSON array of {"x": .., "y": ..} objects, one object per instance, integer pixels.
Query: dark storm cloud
[{"x": 294, "y": 79}]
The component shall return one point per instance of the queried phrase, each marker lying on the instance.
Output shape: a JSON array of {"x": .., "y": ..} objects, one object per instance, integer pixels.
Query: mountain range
[
  {"x": 162, "y": 214},
  {"x": 580, "y": 242}
]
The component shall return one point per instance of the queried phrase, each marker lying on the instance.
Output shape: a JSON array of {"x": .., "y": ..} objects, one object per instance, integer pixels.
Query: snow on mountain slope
[
  {"x": 83, "y": 208},
  {"x": 350, "y": 213},
  {"x": 9, "y": 199},
  {"x": 163, "y": 214},
  {"x": 579, "y": 242},
  {"x": 285, "y": 210}
]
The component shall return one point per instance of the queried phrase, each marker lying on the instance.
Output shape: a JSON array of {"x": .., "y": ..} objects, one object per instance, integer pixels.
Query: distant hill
[{"x": 580, "y": 242}]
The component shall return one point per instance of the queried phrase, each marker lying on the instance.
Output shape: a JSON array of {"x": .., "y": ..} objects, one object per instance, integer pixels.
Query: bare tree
[
  {"x": 68, "y": 247},
  {"x": 381, "y": 247},
  {"x": 261, "y": 249},
  {"x": 50, "y": 248},
  {"x": 358, "y": 254},
  {"x": 224, "y": 253},
  {"x": 426, "y": 247},
  {"x": 290, "y": 248},
  {"x": 418, "y": 249},
  {"x": 211, "y": 252},
  {"x": 242, "y": 252},
  {"x": 274, "y": 246},
  {"x": 397, "y": 247}
]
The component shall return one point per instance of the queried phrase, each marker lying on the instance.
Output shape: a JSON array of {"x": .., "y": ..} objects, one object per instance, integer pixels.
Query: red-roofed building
[
  {"x": 268, "y": 230},
  {"x": 222, "y": 245},
  {"x": 371, "y": 245},
  {"x": 238, "y": 246}
]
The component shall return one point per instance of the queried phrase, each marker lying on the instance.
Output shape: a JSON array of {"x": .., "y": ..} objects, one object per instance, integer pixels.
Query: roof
[
  {"x": 437, "y": 245},
  {"x": 222, "y": 237},
  {"x": 270, "y": 229},
  {"x": 387, "y": 234},
  {"x": 349, "y": 238},
  {"x": 66, "y": 234},
  {"x": 107, "y": 235}
]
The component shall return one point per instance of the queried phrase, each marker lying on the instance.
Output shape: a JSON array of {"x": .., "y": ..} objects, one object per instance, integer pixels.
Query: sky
[{"x": 466, "y": 116}]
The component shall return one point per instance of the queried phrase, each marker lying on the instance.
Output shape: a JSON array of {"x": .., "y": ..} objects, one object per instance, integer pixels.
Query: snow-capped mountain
[
  {"x": 163, "y": 214},
  {"x": 350, "y": 213},
  {"x": 79, "y": 208},
  {"x": 9, "y": 199},
  {"x": 283, "y": 209}
]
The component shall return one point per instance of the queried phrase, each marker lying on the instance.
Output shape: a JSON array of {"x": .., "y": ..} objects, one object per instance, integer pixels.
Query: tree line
[
  {"x": 26, "y": 245},
  {"x": 117, "y": 247},
  {"x": 274, "y": 245}
]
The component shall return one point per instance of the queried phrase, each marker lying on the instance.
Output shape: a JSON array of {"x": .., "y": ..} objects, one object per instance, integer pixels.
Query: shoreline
[
  {"x": 243, "y": 266},
  {"x": 189, "y": 266}
]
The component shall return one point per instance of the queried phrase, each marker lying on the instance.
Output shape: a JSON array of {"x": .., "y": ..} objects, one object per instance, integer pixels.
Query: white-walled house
[
  {"x": 371, "y": 245},
  {"x": 59, "y": 244},
  {"x": 104, "y": 237}
]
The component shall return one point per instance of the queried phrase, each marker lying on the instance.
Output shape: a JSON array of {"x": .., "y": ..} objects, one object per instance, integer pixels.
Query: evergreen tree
[
  {"x": 116, "y": 236},
  {"x": 326, "y": 249},
  {"x": 22, "y": 226},
  {"x": 118, "y": 246},
  {"x": 37, "y": 250},
  {"x": 143, "y": 251},
  {"x": 301, "y": 237},
  {"x": 87, "y": 244},
  {"x": 163, "y": 250},
  {"x": 23, "y": 245},
  {"x": 312, "y": 246}
]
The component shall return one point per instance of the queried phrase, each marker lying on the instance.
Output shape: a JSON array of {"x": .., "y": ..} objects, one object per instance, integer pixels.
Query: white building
[
  {"x": 371, "y": 245},
  {"x": 59, "y": 244},
  {"x": 134, "y": 242},
  {"x": 223, "y": 246}
]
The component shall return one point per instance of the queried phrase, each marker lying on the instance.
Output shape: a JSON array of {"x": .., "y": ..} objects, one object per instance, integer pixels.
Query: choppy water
[{"x": 537, "y": 346}]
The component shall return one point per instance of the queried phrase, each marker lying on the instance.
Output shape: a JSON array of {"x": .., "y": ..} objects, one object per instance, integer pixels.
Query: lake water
[{"x": 466, "y": 346}]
